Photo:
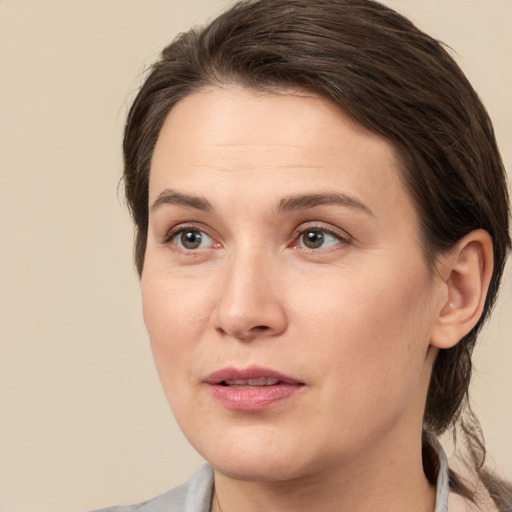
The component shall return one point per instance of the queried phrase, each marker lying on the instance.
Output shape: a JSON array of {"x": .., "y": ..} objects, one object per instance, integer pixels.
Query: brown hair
[{"x": 391, "y": 78}]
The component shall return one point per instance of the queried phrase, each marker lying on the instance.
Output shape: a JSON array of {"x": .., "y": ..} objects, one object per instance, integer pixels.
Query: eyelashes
[
  {"x": 189, "y": 238},
  {"x": 314, "y": 238},
  {"x": 320, "y": 238}
]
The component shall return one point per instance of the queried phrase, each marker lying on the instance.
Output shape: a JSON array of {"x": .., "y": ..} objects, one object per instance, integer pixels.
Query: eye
[
  {"x": 316, "y": 238},
  {"x": 191, "y": 239}
]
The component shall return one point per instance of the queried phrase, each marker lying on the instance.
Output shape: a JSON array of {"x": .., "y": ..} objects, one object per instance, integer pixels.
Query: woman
[{"x": 321, "y": 227}]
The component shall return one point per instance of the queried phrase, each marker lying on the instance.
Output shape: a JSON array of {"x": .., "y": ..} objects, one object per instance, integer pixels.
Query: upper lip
[{"x": 252, "y": 372}]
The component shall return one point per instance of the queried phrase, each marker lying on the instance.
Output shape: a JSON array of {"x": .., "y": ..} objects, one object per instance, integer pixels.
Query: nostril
[{"x": 245, "y": 334}]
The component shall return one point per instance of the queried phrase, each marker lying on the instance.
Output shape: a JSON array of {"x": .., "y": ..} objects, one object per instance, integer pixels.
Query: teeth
[{"x": 261, "y": 381}]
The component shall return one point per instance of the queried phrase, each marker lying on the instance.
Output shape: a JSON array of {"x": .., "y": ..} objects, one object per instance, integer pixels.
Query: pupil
[
  {"x": 191, "y": 239},
  {"x": 314, "y": 239}
]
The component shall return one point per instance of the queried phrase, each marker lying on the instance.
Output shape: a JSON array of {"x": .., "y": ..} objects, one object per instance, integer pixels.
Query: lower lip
[{"x": 252, "y": 398}]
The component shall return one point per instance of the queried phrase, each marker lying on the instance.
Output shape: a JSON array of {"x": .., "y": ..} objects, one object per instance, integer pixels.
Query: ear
[{"x": 464, "y": 273}]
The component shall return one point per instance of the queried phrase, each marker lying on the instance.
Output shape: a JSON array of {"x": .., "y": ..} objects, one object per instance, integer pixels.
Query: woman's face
[{"x": 285, "y": 292}]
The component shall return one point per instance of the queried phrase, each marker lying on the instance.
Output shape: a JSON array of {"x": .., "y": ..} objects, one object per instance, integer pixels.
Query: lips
[{"x": 251, "y": 389}]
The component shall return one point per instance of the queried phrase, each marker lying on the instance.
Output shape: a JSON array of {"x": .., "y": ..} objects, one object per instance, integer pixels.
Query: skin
[{"x": 356, "y": 319}]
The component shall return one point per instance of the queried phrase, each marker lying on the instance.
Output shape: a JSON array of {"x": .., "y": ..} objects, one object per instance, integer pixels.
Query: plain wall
[{"x": 83, "y": 422}]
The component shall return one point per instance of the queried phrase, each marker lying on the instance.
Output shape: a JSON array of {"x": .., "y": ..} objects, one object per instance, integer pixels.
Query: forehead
[
  {"x": 222, "y": 140},
  {"x": 236, "y": 117}
]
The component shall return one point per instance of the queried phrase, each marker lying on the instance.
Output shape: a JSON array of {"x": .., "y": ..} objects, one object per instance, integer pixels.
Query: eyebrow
[
  {"x": 286, "y": 204},
  {"x": 169, "y": 196},
  {"x": 305, "y": 201}
]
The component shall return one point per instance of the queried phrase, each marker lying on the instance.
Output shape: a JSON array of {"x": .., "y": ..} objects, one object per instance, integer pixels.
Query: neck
[{"x": 379, "y": 476}]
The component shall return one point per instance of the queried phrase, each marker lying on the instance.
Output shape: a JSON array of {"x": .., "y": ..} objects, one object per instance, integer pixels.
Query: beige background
[{"x": 83, "y": 422}]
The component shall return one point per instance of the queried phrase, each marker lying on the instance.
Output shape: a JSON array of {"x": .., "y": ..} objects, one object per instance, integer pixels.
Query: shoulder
[
  {"x": 457, "y": 503},
  {"x": 446, "y": 499},
  {"x": 192, "y": 496}
]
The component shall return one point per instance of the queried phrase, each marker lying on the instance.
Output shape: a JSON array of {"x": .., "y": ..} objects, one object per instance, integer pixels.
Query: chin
[
  {"x": 261, "y": 454},
  {"x": 261, "y": 469}
]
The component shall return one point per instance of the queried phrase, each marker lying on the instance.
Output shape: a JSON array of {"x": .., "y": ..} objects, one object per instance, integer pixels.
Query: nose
[{"x": 249, "y": 303}]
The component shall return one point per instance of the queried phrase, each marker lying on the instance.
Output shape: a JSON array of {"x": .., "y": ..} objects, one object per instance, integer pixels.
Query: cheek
[
  {"x": 173, "y": 306},
  {"x": 176, "y": 316},
  {"x": 373, "y": 330}
]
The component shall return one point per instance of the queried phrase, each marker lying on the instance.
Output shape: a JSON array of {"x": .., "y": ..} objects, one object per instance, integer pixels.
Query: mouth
[
  {"x": 250, "y": 383},
  {"x": 251, "y": 389}
]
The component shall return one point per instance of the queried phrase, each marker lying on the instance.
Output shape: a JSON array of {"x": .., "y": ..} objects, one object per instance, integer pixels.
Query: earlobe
[{"x": 465, "y": 272}]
